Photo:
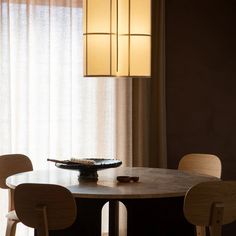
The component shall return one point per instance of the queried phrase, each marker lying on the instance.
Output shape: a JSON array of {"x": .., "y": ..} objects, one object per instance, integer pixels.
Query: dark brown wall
[{"x": 201, "y": 81}]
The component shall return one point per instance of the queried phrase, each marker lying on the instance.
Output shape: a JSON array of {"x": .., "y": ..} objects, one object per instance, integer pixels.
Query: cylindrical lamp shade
[{"x": 117, "y": 38}]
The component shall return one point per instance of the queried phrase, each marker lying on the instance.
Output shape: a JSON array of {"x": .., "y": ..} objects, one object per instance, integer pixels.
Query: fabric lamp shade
[{"x": 117, "y": 38}]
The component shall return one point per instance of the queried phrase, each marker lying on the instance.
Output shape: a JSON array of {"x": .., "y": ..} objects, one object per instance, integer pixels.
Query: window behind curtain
[{"x": 47, "y": 108}]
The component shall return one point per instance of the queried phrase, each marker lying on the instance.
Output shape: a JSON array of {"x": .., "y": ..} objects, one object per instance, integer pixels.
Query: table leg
[
  {"x": 88, "y": 221},
  {"x": 113, "y": 218},
  {"x": 162, "y": 217}
]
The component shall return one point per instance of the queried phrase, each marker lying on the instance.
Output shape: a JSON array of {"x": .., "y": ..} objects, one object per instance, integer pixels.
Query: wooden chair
[
  {"x": 45, "y": 207},
  {"x": 203, "y": 164},
  {"x": 211, "y": 204},
  {"x": 9, "y": 165}
]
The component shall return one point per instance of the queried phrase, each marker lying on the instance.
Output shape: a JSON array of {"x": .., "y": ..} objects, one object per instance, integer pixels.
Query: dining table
[{"x": 154, "y": 203}]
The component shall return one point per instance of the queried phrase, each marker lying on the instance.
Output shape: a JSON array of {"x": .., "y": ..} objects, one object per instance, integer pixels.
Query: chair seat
[
  {"x": 11, "y": 164},
  {"x": 45, "y": 207},
  {"x": 12, "y": 216},
  {"x": 207, "y": 164}
]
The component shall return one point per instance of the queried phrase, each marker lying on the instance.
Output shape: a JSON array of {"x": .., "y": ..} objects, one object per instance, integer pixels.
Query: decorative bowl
[{"x": 89, "y": 172}]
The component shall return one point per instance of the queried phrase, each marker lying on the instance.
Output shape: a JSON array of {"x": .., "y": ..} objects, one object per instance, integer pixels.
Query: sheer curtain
[{"x": 47, "y": 108}]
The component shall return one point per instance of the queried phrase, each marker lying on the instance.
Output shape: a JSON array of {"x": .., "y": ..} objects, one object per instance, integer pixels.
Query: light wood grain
[
  {"x": 11, "y": 164},
  {"x": 45, "y": 207},
  {"x": 201, "y": 163},
  {"x": 153, "y": 182},
  {"x": 204, "y": 164},
  {"x": 211, "y": 204}
]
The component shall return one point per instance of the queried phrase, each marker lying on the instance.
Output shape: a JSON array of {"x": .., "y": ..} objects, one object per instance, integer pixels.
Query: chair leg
[
  {"x": 201, "y": 230},
  {"x": 11, "y": 228}
]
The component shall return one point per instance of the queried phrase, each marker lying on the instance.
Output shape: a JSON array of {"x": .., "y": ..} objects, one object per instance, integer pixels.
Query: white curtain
[{"x": 47, "y": 109}]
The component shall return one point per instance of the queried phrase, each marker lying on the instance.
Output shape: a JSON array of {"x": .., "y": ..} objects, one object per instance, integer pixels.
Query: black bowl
[{"x": 88, "y": 171}]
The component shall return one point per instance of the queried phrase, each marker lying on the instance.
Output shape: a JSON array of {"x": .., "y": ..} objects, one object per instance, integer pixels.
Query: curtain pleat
[
  {"x": 149, "y": 102},
  {"x": 157, "y": 135},
  {"x": 141, "y": 121}
]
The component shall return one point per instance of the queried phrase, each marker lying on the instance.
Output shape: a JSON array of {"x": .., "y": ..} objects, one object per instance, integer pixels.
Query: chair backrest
[
  {"x": 45, "y": 207},
  {"x": 211, "y": 204},
  {"x": 11, "y": 164},
  {"x": 201, "y": 163}
]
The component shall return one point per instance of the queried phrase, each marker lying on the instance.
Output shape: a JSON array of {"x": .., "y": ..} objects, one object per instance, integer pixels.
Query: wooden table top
[{"x": 153, "y": 182}]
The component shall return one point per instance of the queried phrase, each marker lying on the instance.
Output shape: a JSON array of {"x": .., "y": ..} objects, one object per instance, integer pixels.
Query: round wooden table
[{"x": 153, "y": 204}]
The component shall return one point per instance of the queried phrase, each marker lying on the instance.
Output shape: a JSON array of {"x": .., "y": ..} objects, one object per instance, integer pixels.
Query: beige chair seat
[
  {"x": 207, "y": 164},
  {"x": 211, "y": 204},
  {"x": 11, "y": 164},
  {"x": 45, "y": 207}
]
